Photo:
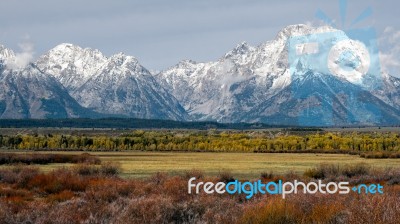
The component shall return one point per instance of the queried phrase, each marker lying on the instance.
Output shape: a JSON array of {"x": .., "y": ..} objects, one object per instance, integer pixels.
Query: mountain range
[{"x": 248, "y": 84}]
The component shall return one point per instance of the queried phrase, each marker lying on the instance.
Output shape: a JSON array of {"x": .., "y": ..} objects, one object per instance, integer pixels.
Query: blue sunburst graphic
[{"x": 343, "y": 7}]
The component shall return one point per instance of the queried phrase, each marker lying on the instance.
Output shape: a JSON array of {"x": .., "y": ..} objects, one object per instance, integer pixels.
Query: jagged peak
[
  {"x": 294, "y": 29},
  {"x": 186, "y": 63},
  {"x": 183, "y": 64},
  {"x": 119, "y": 55},
  {"x": 9, "y": 60},
  {"x": 6, "y": 52},
  {"x": 121, "y": 58},
  {"x": 68, "y": 49},
  {"x": 64, "y": 46},
  {"x": 240, "y": 49},
  {"x": 302, "y": 29}
]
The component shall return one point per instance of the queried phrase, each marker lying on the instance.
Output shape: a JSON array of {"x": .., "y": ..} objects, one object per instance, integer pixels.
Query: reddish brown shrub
[
  {"x": 61, "y": 196},
  {"x": 6, "y": 192},
  {"x": 158, "y": 178},
  {"x": 198, "y": 174},
  {"x": 150, "y": 209},
  {"x": 275, "y": 210},
  {"x": 39, "y": 158},
  {"x": 267, "y": 175},
  {"x": 110, "y": 169},
  {"x": 65, "y": 196},
  {"x": 57, "y": 181},
  {"x": 107, "y": 169},
  {"x": 226, "y": 177}
]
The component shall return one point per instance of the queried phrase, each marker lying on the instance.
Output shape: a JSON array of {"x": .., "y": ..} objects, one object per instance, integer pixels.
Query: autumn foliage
[
  {"x": 96, "y": 194},
  {"x": 368, "y": 145}
]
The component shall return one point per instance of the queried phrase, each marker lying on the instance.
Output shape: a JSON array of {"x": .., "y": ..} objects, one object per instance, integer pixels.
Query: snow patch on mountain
[
  {"x": 230, "y": 88},
  {"x": 118, "y": 85},
  {"x": 71, "y": 64}
]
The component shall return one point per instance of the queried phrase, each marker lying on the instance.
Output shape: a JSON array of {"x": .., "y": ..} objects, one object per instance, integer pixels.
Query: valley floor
[{"x": 241, "y": 165}]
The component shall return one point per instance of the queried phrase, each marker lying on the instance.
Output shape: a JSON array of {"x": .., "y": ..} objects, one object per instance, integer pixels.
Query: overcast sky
[{"x": 160, "y": 33}]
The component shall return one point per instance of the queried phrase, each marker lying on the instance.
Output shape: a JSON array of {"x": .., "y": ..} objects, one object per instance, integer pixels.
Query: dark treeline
[{"x": 124, "y": 123}]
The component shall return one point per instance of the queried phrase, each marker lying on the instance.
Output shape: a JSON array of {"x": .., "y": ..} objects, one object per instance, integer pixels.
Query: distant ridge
[
  {"x": 250, "y": 84},
  {"x": 125, "y": 123}
]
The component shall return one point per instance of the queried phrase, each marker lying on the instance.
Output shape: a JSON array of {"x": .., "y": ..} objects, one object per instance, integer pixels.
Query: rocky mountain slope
[
  {"x": 118, "y": 85},
  {"x": 323, "y": 81},
  {"x": 261, "y": 84},
  {"x": 29, "y": 93}
]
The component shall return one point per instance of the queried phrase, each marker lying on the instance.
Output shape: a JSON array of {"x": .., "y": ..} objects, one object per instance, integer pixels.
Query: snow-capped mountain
[
  {"x": 389, "y": 92},
  {"x": 29, "y": 93},
  {"x": 117, "y": 86},
  {"x": 283, "y": 81},
  {"x": 5, "y": 54},
  {"x": 260, "y": 84},
  {"x": 71, "y": 65},
  {"x": 323, "y": 99},
  {"x": 243, "y": 78},
  {"x": 123, "y": 86}
]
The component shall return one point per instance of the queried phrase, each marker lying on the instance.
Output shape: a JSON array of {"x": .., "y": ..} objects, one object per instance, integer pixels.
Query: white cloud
[
  {"x": 389, "y": 44},
  {"x": 24, "y": 57}
]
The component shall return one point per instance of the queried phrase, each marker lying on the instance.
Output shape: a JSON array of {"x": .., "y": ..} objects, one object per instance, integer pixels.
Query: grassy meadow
[
  {"x": 241, "y": 165},
  {"x": 132, "y": 176},
  {"x": 94, "y": 192}
]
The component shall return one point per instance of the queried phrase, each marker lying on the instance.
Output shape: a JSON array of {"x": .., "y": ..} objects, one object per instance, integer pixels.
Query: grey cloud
[{"x": 160, "y": 33}]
